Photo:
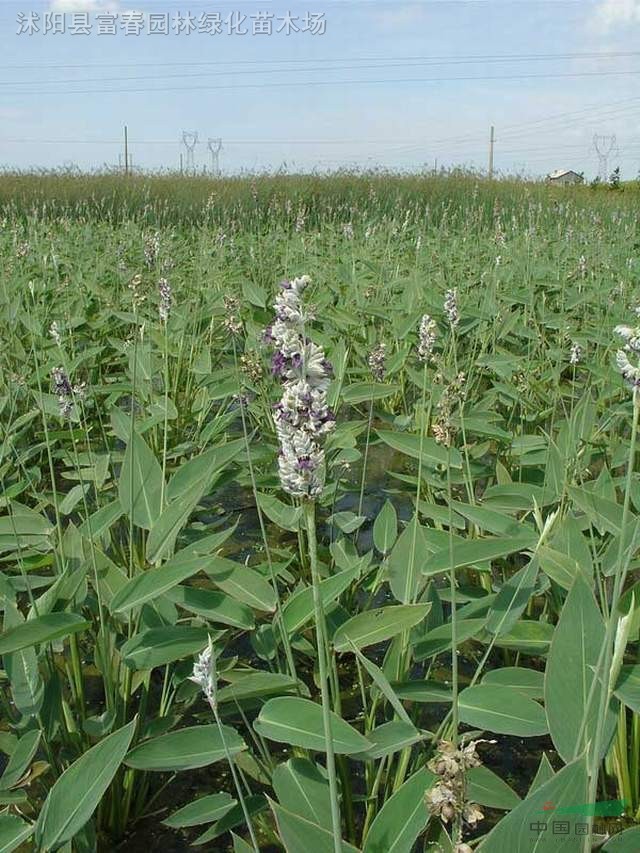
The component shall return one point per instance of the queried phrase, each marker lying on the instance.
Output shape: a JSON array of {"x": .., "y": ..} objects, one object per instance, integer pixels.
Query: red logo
[{"x": 548, "y": 806}]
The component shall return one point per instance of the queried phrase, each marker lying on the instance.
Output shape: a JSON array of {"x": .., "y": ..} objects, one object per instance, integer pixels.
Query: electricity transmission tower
[
  {"x": 605, "y": 146},
  {"x": 190, "y": 140},
  {"x": 215, "y": 147}
]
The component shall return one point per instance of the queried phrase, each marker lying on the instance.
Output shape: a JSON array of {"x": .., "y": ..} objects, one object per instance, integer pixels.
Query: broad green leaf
[
  {"x": 285, "y": 516},
  {"x": 423, "y": 691},
  {"x": 42, "y": 629},
  {"x": 153, "y": 583},
  {"x": 502, "y": 710},
  {"x": 199, "y": 471},
  {"x": 628, "y": 687},
  {"x": 242, "y": 583},
  {"x": 20, "y": 760},
  {"x": 214, "y": 606},
  {"x": 77, "y": 793},
  {"x": 474, "y": 551},
  {"x": 13, "y": 832},
  {"x": 362, "y": 392},
  {"x": 158, "y": 646},
  {"x": 388, "y": 739},
  {"x": 24, "y": 528},
  {"x": 515, "y": 832},
  {"x": 254, "y": 293},
  {"x": 402, "y": 818},
  {"x": 527, "y": 637},
  {"x": 102, "y": 520},
  {"x": 304, "y": 789},
  {"x": 561, "y": 568},
  {"x": 254, "y": 804},
  {"x": 298, "y": 609},
  {"x": 298, "y": 722},
  {"x": 410, "y": 445},
  {"x": 166, "y": 528},
  {"x": 544, "y": 772},
  {"x": 240, "y": 845},
  {"x": 376, "y": 626},
  {"x": 512, "y": 599},
  {"x": 382, "y": 683},
  {"x": 300, "y": 835},
  {"x": 490, "y": 520},
  {"x": 604, "y": 514},
  {"x": 406, "y": 562},
  {"x": 185, "y": 749},
  {"x": 256, "y": 685},
  {"x": 624, "y": 842},
  {"x": 487, "y": 789},
  {"x": 517, "y": 496},
  {"x": 439, "y": 639},
  {"x": 140, "y": 485},
  {"x": 203, "y": 810},
  {"x": 385, "y": 528},
  {"x": 573, "y": 656},
  {"x": 27, "y": 687},
  {"x": 527, "y": 681}
]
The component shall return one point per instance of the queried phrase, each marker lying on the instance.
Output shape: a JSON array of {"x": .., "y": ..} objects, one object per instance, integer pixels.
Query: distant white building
[{"x": 562, "y": 177}]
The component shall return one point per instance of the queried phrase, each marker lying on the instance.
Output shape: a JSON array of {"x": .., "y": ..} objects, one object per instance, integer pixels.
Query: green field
[{"x": 464, "y": 568}]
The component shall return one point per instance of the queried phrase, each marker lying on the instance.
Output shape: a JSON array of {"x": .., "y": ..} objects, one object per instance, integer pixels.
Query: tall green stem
[
  {"x": 321, "y": 642},
  {"x": 602, "y": 674}
]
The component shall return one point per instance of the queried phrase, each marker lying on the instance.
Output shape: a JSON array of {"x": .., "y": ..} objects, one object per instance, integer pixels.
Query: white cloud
[
  {"x": 613, "y": 13},
  {"x": 85, "y": 5}
]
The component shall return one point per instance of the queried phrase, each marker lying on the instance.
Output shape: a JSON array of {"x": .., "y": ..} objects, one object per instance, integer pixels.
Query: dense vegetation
[{"x": 429, "y": 647}]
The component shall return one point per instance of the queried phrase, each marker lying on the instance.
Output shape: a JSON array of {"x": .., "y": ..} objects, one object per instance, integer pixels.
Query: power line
[
  {"x": 310, "y": 83},
  {"x": 200, "y": 74},
  {"x": 463, "y": 59}
]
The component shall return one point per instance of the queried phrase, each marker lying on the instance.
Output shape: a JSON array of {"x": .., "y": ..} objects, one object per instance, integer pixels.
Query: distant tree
[
  {"x": 614, "y": 179},
  {"x": 595, "y": 183}
]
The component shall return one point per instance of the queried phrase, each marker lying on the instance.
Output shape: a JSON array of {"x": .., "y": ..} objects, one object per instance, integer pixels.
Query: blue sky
[{"x": 389, "y": 84}]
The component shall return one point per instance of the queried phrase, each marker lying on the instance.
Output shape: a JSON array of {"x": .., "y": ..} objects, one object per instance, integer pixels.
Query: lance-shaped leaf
[
  {"x": 402, "y": 818},
  {"x": 522, "y": 829},
  {"x": 76, "y": 794},
  {"x": 140, "y": 486},
  {"x": 298, "y": 722},
  {"x": 502, "y": 710},
  {"x": 512, "y": 599},
  {"x": 42, "y": 629},
  {"x": 573, "y": 658},
  {"x": 186, "y": 749},
  {"x": 376, "y": 626}
]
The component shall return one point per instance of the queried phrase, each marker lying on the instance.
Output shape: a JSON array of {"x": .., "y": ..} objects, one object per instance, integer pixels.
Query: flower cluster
[
  {"x": 204, "y": 673},
  {"x": 232, "y": 321},
  {"x": 451, "y": 307},
  {"x": 165, "y": 300},
  {"x": 376, "y": 362},
  {"x": 302, "y": 417},
  {"x": 65, "y": 391},
  {"x": 426, "y": 338},
  {"x": 447, "y": 798},
  {"x": 630, "y": 371},
  {"x": 151, "y": 249},
  {"x": 54, "y": 331},
  {"x": 575, "y": 356},
  {"x": 452, "y": 395}
]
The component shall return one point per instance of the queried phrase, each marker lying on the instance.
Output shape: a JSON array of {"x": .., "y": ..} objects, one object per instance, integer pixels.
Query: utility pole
[
  {"x": 190, "y": 140},
  {"x": 492, "y": 140},
  {"x": 126, "y": 151},
  {"x": 604, "y": 146},
  {"x": 215, "y": 146}
]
